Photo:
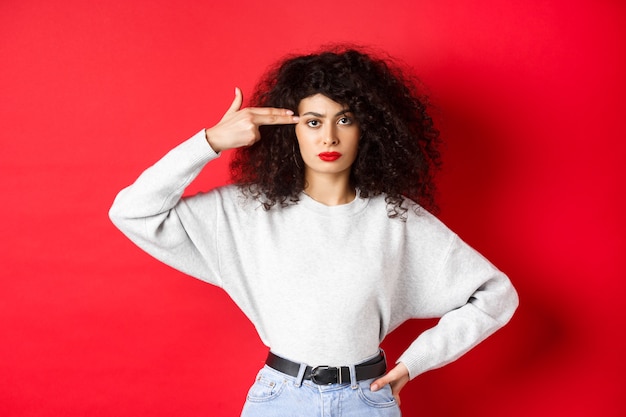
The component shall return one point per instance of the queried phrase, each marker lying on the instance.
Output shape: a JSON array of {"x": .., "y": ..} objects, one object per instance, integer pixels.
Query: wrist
[{"x": 207, "y": 136}]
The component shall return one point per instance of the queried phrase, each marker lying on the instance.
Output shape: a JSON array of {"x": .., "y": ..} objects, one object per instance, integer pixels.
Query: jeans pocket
[
  {"x": 383, "y": 398},
  {"x": 266, "y": 387}
]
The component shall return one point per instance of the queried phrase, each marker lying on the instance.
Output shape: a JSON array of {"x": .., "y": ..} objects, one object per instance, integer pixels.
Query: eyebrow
[{"x": 312, "y": 113}]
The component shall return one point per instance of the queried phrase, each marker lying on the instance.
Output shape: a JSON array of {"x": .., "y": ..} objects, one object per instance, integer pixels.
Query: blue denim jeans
[{"x": 275, "y": 394}]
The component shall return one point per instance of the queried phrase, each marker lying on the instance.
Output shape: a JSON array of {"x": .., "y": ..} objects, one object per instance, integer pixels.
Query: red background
[{"x": 530, "y": 101}]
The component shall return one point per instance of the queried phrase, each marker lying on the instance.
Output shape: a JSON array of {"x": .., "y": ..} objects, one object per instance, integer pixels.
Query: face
[{"x": 328, "y": 135}]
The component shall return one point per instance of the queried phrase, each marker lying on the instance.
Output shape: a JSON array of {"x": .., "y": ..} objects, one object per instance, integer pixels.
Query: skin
[
  {"x": 240, "y": 127},
  {"x": 323, "y": 126},
  {"x": 327, "y": 126}
]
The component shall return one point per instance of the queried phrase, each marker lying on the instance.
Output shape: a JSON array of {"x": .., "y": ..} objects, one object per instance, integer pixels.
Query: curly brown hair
[{"x": 398, "y": 151}]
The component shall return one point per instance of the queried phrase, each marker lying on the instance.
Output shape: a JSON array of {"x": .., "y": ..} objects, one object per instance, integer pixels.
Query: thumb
[
  {"x": 380, "y": 382},
  {"x": 237, "y": 101}
]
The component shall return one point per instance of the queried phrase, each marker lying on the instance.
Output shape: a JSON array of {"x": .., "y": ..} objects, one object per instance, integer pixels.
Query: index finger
[{"x": 273, "y": 116}]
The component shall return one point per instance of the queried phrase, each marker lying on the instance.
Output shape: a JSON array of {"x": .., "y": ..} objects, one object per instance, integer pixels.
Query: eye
[
  {"x": 345, "y": 120},
  {"x": 313, "y": 123}
]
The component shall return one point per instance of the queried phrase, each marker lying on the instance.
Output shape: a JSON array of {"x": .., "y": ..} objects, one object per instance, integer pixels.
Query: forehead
[{"x": 320, "y": 102}]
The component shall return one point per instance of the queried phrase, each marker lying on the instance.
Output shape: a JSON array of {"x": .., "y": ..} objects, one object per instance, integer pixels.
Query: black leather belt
[{"x": 326, "y": 375}]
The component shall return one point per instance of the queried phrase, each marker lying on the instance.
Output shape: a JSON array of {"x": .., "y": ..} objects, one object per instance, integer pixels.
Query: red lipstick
[{"x": 329, "y": 156}]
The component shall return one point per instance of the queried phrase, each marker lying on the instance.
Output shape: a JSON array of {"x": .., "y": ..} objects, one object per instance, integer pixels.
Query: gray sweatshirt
[{"x": 322, "y": 284}]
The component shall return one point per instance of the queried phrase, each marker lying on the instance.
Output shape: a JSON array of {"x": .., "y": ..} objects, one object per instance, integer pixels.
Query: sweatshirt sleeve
[
  {"x": 152, "y": 214},
  {"x": 476, "y": 300}
]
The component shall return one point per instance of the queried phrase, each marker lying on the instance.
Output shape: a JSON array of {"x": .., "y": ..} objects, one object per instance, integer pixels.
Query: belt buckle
[{"x": 320, "y": 376}]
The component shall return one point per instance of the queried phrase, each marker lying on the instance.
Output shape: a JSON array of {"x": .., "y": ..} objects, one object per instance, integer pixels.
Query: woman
[{"x": 325, "y": 240}]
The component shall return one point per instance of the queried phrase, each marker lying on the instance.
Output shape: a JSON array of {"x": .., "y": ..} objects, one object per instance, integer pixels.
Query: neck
[{"x": 330, "y": 191}]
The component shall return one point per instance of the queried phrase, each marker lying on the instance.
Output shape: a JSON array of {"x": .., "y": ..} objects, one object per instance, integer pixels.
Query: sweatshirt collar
[{"x": 349, "y": 209}]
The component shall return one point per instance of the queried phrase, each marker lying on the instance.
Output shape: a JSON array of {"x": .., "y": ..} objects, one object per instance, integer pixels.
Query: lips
[{"x": 329, "y": 156}]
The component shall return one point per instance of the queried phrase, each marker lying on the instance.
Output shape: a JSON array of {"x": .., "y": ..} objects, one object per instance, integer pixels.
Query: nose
[{"x": 330, "y": 135}]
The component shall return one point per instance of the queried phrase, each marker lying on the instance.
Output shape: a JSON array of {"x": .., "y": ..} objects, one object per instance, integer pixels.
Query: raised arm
[{"x": 176, "y": 230}]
